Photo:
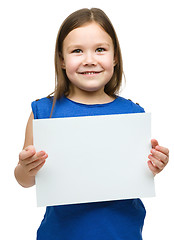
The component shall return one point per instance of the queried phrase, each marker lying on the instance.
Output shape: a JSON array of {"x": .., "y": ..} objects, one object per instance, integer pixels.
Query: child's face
[{"x": 88, "y": 58}]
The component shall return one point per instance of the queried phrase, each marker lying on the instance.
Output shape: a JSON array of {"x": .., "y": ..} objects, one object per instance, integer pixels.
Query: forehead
[{"x": 90, "y": 32}]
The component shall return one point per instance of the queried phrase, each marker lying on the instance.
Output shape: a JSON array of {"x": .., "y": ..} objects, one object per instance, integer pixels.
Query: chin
[{"x": 91, "y": 89}]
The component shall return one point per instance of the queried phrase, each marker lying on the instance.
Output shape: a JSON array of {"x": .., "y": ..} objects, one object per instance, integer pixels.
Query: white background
[{"x": 28, "y": 34}]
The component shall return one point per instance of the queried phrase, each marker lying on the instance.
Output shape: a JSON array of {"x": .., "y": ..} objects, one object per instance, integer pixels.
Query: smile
[{"x": 89, "y": 73}]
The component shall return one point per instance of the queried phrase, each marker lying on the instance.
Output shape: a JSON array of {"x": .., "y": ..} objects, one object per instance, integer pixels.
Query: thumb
[
  {"x": 30, "y": 150},
  {"x": 27, "y": 152},
  {"x": 154, "y": 143}
]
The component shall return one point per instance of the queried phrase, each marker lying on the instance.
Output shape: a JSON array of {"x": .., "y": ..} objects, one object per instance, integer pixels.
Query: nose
[{"x": 89, "y": 59}]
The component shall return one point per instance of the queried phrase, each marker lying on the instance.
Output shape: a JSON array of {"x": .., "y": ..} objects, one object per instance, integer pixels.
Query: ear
[
  {"x": 62, "y": 62},
  {"x": 115, "y": 61},
  {"x": 63, "y": 65}
]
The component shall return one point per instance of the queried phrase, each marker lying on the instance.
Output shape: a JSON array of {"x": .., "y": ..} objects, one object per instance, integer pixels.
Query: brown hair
[{"x": 73, "y": 21}]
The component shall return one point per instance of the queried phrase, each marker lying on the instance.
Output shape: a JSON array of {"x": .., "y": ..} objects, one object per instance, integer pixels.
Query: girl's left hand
[{"x": 159, "y": 157}]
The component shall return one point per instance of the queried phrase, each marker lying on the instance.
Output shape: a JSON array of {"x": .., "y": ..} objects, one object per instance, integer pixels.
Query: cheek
[
  {"x": 71, "y": 65},
  {"x": 108, "y": 62},
  {"x": 109, "y": 66}
]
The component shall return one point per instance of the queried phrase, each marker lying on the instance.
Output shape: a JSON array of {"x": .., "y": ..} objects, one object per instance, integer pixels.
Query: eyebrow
[{"x": 80, "y": 46}]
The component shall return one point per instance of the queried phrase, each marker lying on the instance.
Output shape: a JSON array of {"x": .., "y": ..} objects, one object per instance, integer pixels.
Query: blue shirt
[{"x": 109, "y": 220}]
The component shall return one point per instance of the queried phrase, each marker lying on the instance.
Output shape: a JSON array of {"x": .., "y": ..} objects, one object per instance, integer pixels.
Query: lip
[{"x": 90, "y": 73}]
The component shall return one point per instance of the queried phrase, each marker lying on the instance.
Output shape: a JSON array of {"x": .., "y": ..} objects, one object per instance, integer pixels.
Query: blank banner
[{"x": 96, "y": 158}]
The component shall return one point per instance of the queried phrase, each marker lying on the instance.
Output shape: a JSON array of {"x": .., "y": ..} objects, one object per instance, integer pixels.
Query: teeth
[{"x": 89, "y": 73}]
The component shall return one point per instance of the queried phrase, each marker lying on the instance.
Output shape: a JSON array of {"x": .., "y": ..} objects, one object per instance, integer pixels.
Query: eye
[
  {"x": 77, "y": 51},
  {"x": 100, "y": 50}
]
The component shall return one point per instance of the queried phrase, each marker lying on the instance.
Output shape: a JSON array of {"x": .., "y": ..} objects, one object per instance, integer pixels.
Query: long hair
[{"x": 73, "y": 21}]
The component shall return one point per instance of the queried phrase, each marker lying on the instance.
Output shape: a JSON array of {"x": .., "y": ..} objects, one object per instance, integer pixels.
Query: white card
[{"x": 93, "y": 158}]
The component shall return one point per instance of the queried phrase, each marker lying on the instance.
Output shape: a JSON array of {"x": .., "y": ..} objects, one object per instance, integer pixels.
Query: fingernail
[
  {"x": 33, "y": 152},
  {"x": 42, "y": 153}
]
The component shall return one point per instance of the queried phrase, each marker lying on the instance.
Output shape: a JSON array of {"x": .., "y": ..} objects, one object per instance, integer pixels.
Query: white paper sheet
[{"x": 96, "y": 158}]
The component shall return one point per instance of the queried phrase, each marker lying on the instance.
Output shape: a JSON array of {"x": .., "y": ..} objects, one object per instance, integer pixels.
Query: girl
[{"x": 88, "y": 65}]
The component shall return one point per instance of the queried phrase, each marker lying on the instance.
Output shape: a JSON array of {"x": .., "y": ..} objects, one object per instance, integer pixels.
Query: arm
[
  {"x": 159, "y": 157},
  {"x": 30, "y": 162}
]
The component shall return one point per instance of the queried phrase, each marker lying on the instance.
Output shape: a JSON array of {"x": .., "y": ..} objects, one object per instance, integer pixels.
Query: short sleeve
[
  {"x": 41, "y": 108},
  {"x": 34, "y": 109},
  {"x": 137, "y": 108}
]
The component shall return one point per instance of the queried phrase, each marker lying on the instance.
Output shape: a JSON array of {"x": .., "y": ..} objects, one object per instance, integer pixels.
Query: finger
[
  {"x": 38, "y": 156},
  {"x": 154, "y": 169},
  {"x": 36, "y": 163},
  {"x": 34, "y": 171},
  {"x": 160, "y": 156},
  {"x": 157, "y": 163},
  {"x": 162, "y": 150},
  {"x": 31, "y": 158},
  {"x": 154, "y": 143},
  {"x": 30, "y": 148},
  {"x": 26, "y": 153}
]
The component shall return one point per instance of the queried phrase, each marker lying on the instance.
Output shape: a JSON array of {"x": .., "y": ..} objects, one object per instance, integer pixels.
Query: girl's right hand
[{"x": 31, "y": 161}]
